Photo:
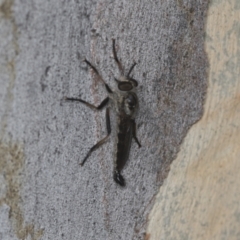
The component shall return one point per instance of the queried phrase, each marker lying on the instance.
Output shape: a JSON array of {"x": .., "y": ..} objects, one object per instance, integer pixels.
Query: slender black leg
[
  {"x": 101, "y": 142},
  {"x": 116, "y": 58},
  {"x": 131, "y": 68},
  {"x": 134, "y": 133},
  {"x": 101, "y": 105},
  {"x": 96, "y": 71}
]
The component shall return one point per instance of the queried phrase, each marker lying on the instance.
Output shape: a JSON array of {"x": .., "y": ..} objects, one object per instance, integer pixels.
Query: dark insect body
[{"x": 126, "y": 105}]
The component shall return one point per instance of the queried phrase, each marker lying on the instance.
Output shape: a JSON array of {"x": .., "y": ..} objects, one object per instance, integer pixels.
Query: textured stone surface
[
  {"x": 42, "y": 47},
  {"x": 200, "y": 197}
]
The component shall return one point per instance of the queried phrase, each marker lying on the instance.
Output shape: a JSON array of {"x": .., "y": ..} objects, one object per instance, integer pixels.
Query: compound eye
[
  {"x": 125, "y": 86},
  {"x": 134, "y": 82}
]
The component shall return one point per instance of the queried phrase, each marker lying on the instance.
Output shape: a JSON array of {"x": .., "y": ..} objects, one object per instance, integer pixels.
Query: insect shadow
[{"x": 125, "y": 101}]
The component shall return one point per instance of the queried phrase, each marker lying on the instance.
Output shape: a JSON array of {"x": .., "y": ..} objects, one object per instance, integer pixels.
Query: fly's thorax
[
  {"x": 125, "y": 103},
  {"x": 130, "y": 104}
]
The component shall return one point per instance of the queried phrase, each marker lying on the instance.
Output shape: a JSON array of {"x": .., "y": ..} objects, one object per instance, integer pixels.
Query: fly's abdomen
[{"x": 124, "y": 142}]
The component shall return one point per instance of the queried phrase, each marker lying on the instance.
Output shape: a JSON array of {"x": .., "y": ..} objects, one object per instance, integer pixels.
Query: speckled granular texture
[{"x": 166, "y": 39}]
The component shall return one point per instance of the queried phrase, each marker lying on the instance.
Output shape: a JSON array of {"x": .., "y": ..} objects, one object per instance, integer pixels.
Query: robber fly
[{"x": 125, "y": 102}]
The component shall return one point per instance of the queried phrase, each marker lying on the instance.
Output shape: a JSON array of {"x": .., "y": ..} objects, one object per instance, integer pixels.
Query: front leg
[
  {"x": 116, "y": 58},
  {"x": 101, "y": 105},
  {"x": 109, "y": 90}
]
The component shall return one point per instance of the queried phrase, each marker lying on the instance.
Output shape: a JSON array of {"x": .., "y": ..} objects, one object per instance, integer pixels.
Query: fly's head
[
  {"x": 127, "y": 85},
  {"x": 129, "y": 100},
  {"x": 126, "y": 82}
]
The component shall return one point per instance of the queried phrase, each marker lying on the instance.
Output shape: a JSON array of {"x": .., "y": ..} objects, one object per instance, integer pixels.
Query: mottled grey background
[{"x": 42, "y": 47}]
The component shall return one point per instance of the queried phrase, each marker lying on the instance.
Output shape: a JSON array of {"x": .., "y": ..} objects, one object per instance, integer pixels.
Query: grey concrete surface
[{"x": 45, "y": 194}]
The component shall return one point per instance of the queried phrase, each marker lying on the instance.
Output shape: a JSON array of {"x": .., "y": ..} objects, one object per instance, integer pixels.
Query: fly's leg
[
  {"x": 131, "y": 68},
  {"x": 101, "y": 105},
  {"x": 101, "y": 142},
  {"x": 116, "y": 58},
  {"x": 100, "y": 77},
  {"x": 129, "y": 77},
  {"x": 104, "y": 102},
  {"x": 134, "y": 133}
]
